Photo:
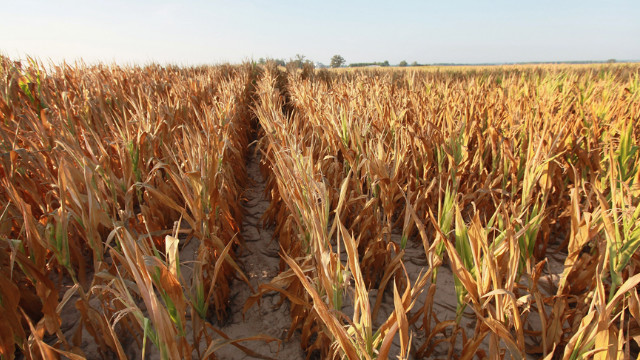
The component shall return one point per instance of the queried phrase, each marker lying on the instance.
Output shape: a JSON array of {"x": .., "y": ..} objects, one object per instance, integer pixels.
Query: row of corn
[
  {"x": 523, "y": 181},
  {"x": 109, "y": 174}
]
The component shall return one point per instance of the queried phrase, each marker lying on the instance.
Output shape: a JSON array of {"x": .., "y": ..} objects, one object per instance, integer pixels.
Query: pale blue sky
[{"x": 199, "y": 32}]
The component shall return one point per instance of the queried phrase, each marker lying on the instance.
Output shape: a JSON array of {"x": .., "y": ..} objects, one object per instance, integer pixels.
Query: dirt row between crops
[{"x": 259, "y": 259}]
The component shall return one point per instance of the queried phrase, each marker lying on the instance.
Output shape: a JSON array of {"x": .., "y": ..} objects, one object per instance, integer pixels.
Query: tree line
[{"x": 337, "y": 61}]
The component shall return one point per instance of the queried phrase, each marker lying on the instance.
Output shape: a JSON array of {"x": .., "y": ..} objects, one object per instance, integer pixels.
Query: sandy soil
[
  {"x": 444, "y": 302},
  {"x": 259, "y": 259}
]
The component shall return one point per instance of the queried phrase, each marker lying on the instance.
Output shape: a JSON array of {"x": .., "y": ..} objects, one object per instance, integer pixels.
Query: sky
[{"x": 217, "y": 31}]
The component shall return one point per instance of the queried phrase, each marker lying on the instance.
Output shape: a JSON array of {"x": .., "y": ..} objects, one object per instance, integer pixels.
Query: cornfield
[{"x": 482, "y": 212}]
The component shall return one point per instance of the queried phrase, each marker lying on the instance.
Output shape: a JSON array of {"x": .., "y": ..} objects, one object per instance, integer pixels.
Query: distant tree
[
  {"x": 298, "y": 62},
  {"x": 337, "y": 61},
  {"x": 385, "y": 63},
  {"x": 415, "y": 63},
  {"x": 262, "y": 61},
  {"x": 611, "y": 61},
  {"x": 403, "y": 63}
]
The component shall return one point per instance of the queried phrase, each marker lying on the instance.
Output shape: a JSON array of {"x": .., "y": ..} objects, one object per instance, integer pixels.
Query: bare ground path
[{"x": 259, "y": 258}]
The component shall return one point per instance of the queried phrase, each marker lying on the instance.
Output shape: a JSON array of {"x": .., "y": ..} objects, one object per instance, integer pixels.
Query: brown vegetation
[{"x": 523, "y": 182}]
